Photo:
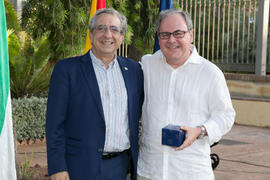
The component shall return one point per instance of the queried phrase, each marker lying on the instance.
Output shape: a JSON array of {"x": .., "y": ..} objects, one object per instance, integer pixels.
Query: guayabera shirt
[{"x": 191, "y": 95}]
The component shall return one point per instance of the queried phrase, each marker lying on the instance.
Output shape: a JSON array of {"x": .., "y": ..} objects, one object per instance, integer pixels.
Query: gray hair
[
  {"x": 168, "y": 12},
  {"x": 122, "y": 18}
]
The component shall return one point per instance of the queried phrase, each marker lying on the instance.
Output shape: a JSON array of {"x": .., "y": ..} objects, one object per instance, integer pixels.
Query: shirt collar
[
  {"x": 99, "y": 63},
  {"x": 193, "y": 58}
]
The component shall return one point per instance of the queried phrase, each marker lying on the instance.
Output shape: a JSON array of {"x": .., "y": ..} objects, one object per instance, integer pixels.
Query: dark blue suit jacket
[{"x": 75, "y": 126}]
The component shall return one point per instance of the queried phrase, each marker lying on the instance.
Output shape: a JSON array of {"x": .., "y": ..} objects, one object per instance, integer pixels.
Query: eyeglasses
[
  {"x": 176, "y": 34},
  {"x": 103, "y": 28}
]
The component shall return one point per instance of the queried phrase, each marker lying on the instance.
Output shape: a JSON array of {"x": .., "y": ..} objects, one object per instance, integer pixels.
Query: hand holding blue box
[{"x": 172, "y": 135}]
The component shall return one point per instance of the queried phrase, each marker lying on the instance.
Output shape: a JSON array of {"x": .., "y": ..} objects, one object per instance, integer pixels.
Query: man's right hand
[{"x": 60, "y": 176}]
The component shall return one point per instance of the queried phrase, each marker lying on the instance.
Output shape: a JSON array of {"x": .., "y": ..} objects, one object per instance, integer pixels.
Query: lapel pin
[{"x": 126, "y": 68}]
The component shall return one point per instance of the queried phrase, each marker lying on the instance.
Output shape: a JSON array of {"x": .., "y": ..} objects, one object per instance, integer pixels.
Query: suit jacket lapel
[
  {"x": 90, "y": 76},
  {"x": 125, "y": 72},
  {"x": 126, "y": 75}
]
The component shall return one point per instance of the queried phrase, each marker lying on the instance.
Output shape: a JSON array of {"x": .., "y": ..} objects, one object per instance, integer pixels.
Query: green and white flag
[{"x": 7, "y": 154}]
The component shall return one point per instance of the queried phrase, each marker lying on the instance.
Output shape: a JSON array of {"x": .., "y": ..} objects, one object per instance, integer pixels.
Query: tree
[
  {"x": 29, "y": 68},
  {"x": 65, "y": 23},
  {"x": 11, "y": 17},
  {"x": 145, "y": 33}
]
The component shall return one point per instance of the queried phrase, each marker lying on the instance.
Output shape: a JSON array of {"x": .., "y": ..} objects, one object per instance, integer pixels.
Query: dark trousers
[{"x": 115, "y": 168}]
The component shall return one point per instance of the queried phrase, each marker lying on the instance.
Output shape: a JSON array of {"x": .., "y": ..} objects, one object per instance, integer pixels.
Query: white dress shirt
[
  {"x": 113, "y": 95},
  {"x": 191, "y": 95}
]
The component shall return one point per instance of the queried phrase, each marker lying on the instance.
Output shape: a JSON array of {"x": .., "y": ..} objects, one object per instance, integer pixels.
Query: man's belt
[{"x": 110, "y": 155}]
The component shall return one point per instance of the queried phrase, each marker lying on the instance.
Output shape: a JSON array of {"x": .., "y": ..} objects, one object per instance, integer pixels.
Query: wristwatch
[{"x": 203, "y": 131}]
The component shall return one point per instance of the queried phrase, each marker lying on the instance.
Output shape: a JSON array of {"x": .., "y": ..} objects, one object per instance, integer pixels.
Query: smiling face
[
  {"x": 106, "y": 42},
  {"x": 176, "y": 50}
]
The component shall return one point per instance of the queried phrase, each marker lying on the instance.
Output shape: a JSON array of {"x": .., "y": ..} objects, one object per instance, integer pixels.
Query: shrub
[{"x": 29, "y": 117}]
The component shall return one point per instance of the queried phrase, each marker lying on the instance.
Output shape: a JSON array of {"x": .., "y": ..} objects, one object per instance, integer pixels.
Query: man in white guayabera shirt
[{"x": 181, "y": 88}]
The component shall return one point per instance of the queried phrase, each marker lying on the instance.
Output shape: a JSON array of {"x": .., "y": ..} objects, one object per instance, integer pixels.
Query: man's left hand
[{"x": 191, "y": 136}]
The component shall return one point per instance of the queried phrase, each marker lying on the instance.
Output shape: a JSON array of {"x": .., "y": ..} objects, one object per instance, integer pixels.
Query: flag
[
  {"x": 164, "y": 4},
  {"x": 95, "y": 5},
  {"x": 7, "y": 154}
]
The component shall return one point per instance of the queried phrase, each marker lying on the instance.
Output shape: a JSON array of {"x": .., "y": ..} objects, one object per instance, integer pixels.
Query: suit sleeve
[
  {"x": 141, "y": 82},
  {"x": 57, "y": 106}
]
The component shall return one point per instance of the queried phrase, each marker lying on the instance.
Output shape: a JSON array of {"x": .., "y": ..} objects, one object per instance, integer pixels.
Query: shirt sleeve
[{"x": 222, "y": 113}]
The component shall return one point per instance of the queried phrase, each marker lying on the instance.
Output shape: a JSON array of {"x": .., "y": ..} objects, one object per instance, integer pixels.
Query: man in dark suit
[{"x": 93, "y": 108}]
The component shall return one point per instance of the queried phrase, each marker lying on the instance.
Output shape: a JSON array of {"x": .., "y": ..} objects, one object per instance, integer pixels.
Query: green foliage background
[
  {"x": 29, "y": 68},
  {"x": 29, "y": 117},
  {"x": 65, "y": 22},
  {"x": 11, "y": 17},
  {"x": 28, "y": 58}
]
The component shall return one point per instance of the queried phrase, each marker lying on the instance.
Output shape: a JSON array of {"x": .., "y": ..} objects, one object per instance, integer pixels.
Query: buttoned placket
[
  {"x": 109, "y": 72},
  {"x": 170, "y": 102},
  {"x": 108, "y": 87},
  {"x": 106, "y": 84}
]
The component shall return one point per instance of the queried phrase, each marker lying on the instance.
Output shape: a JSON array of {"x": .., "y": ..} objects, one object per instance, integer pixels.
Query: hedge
[{"x": 29, "y": 117}]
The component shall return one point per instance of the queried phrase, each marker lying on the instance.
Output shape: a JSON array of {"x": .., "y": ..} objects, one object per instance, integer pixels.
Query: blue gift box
[{"x": 172, "y": 135}]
